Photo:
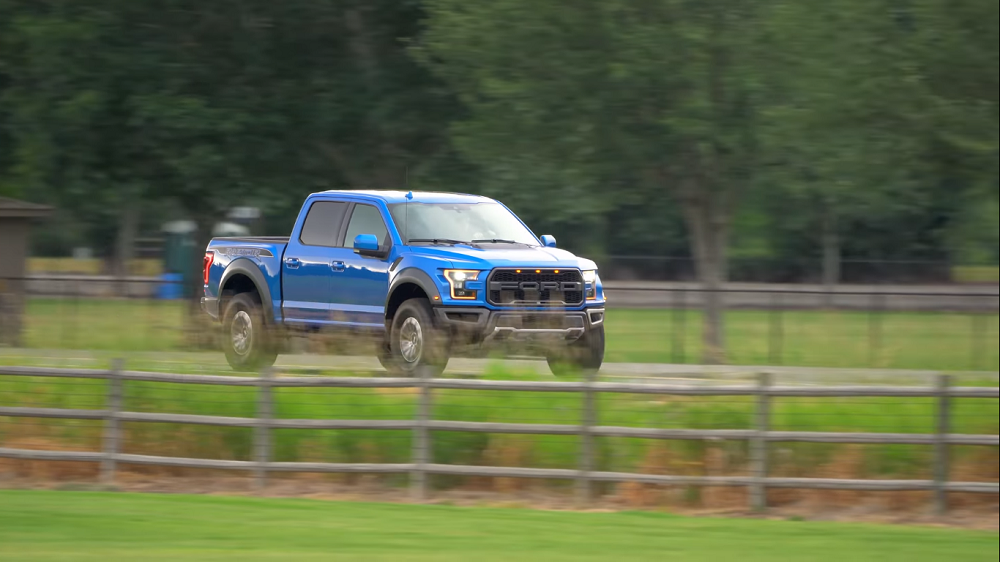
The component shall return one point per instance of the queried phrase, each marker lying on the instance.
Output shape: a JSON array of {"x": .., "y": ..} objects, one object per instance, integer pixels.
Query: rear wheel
[
  {"x": 414, "y": 341},
  {"x": 585, "y": 355},
  {"x": 245, "y": 337},
  {"x": 384, "y": 353}
]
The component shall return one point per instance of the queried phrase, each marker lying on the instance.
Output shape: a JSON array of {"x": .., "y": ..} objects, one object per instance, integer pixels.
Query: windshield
[{"x": 460, "y": 222}]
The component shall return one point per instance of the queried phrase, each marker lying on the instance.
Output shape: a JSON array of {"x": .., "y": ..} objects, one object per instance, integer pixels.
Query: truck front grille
[{"x": 531, "y": 287}]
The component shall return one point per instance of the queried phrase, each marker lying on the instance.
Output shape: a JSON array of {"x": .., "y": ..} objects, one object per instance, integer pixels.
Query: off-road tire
[
  {"x": 415, "y": 343},
  {"x": 583, "y": 356},
  {"x": 384, "y": 351},
  {"x": 246, "y": 337}
]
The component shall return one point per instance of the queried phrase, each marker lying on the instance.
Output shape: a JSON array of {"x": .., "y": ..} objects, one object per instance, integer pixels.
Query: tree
[
  {"x": 661, "y": 96},
  {"x": 7, "y": 188},
  {"x": 213, "y": 104},
  {"x": 888, "y": 117}
]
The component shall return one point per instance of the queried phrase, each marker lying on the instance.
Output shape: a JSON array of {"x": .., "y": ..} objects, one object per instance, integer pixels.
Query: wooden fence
[{"x": 423, "y": 424}]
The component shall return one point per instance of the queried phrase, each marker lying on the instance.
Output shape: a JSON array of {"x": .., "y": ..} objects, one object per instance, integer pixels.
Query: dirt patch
[{"x": 68, "y": 471}]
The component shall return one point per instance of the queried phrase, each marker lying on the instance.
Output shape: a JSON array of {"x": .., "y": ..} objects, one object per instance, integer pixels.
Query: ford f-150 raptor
[{"x": 428, "y": 275}]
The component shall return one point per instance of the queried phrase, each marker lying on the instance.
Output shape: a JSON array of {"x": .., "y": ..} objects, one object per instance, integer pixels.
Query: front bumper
[
  {"x": 482, "y": 325},
  {"x": 211, "y": 306}
]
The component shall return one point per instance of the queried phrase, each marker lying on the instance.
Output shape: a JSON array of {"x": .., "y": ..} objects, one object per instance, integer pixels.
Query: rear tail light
[{"x": 207, "y": 265}]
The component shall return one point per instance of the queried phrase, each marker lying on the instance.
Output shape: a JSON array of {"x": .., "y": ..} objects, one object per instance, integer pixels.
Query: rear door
[
  {"x": 360, "y": 284},
  {"x": 308, "y": 263}
]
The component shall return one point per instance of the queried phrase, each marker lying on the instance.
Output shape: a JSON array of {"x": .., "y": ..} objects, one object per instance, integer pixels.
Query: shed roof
[{"x": 13, "y": 208}]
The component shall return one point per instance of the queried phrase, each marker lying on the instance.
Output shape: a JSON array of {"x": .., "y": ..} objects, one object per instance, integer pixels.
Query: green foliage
[
  {"x": 599, "y": 123},
  {"x": 592, "y": 116},
  {"x": 847, "y": 107},
  {"x": 213, "y": 105}
]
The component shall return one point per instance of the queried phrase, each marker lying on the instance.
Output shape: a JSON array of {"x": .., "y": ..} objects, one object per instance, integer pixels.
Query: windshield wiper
[
  {"x": 497, "y": 241},
  {"x": 437, "y": 241}
]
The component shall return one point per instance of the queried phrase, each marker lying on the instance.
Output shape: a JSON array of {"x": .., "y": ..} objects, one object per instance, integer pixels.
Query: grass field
[
  {"x": 805, "y": 338},
  {"x": 920, "y": 341},
  {"x": 40, "y": 526}
]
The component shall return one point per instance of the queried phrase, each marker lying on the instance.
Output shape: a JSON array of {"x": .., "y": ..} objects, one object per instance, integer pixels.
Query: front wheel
[
  {"x": 414, "y": 341},
  {"x": 583, "y": 355},
  {"x": 245, "y": 337}
]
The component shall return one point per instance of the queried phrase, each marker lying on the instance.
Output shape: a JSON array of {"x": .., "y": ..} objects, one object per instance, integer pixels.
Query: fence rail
[
  {"x": 423, "y": 424},
  {"x": 642, "y": 294},
  {"x": 55, "y": 310}
]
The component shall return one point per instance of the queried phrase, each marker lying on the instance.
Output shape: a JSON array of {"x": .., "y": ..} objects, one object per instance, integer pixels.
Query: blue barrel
[{"x": 171, "y": 286}]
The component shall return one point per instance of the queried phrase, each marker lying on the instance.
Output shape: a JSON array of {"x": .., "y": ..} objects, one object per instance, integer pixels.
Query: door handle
[
  {"x": 337, "y": 265},
  {"x": 292, "y": 263}
]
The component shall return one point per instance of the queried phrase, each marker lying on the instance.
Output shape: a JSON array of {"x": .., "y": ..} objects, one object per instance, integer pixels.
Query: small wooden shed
[{"x": 16, "y": 219}]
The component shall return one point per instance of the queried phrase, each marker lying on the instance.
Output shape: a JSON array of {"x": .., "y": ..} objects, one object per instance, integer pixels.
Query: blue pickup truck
[{"x": 423, "y": 276}]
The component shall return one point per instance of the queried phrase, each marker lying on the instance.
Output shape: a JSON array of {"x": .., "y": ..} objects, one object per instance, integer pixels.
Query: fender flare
[
  {"x": 244, "y": 266},
  {"x": 416, "y": 276}
]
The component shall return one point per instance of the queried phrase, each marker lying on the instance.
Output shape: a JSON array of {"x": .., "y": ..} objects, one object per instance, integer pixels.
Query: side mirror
[
  {"x": 366, "y": 245},
  {"x": 549, "y": 241}
]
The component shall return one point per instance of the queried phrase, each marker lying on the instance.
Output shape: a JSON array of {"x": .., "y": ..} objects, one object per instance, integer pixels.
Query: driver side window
[{"x": 366, "y": 220}]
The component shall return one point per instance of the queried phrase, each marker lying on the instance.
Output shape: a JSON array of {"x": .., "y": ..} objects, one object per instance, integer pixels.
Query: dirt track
[{"x": 305, "y": 364}]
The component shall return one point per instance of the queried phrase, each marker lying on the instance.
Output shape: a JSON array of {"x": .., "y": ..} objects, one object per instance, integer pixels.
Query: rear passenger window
[
  {"x": 323, "y": 223},
  {"x": 366, "y": 220}
]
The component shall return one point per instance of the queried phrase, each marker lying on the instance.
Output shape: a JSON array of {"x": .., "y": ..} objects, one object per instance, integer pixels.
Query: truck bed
[
  {"x": 253, "y": 239},
  {"x": 255, "y": 257}
]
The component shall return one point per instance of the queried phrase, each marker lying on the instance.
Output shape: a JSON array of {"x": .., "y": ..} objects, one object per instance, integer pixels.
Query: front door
[
  {"x": 360, "y": 284},
  {"x": 308, "y": 265}
]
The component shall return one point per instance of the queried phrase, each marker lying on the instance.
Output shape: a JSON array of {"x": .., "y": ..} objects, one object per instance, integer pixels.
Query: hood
[{"x": 489, "y": 256}]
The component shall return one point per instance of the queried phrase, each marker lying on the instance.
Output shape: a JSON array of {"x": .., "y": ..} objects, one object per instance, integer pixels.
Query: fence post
[
  {"x": 262, "y": 432},
  {"x": 421, "y": 453},
  {"x": 75, "y": 326},
  {"x": 978, "y": 338},
  {"x": 112, "y": 426},
  {"x": 942, "y": 383},
  {"x": 6, "y": 311},
  {"x": 875, "y": 328},
  {"x": 680, "y": 326},
  {"x": 758, "y": 444},
  {"x": 588, "y": 418},
  {"x": 776, "y": 332}
]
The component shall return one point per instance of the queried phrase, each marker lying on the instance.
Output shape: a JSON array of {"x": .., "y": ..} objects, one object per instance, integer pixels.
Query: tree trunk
[
  {"x": 198, "y": 326},
  {"x": 712, "y": 271},
  {"x": 128, "y": 227},
  {"x": 707, "y": 222},
  {"x": 831, "y": 255}
]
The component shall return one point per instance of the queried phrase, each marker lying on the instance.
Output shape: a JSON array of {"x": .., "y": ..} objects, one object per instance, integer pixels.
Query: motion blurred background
[
  {"x": 706, "y": 154},
  {"x": 805, "y": 185}
]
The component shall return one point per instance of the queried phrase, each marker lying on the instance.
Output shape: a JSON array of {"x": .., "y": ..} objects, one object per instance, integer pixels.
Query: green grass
[
  {"x": 807, "y": 338},
  {"x": 82, "y": 526},
  {"x": 922, "y": 341},
  {"x": 899, "y": 340},
  {"x": 100, "y": 324}
]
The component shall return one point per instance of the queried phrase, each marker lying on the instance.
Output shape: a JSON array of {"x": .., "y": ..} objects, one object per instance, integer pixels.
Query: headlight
[
  {"x": 457, "y": 278},
  {"x": 590, "y": 283}
]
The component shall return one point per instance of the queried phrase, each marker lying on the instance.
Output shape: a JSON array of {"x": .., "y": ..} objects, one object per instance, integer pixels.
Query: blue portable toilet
[
  {"x": 171, "y": 286},
  {"x": 177, "y": 259}
]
